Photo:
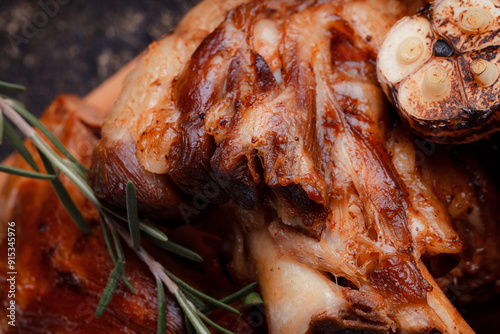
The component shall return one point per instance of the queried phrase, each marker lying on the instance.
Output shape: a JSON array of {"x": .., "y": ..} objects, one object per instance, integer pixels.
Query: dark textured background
[
  {"x": 81, "y": 43},
  {"x": 71, "y": 46}
]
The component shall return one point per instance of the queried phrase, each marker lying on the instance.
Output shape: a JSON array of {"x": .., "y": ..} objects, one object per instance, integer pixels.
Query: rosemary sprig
[
  {"x": 157, "y": 237},
  {"x": 16, "y": 141},
  {"x": 64, "y": 197},
  {"x": 19, "y": 107},
  {"x": 188, "y": 298},
  {"x": 162, "y": 308},
  {"x": 213, "y": 324},
  {"x": 147, "y": 228},
  {"x": 26, "y": 173},
  {"x": 11, "y": 86},
  {"x": 111, "y": 252},
  {"x": 133, "y": 220},
  {"x": 233, "y": 297},
  {"x": 183, "y": 285},
  {"x": 111, "y": 286},
  {"x": 191, "y": 314}
]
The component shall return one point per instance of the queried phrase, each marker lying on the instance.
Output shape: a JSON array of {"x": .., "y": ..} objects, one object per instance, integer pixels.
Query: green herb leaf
[
  {"x": 13, "y": 137},
  {"x": 133, "y": 219},
  {"x": 183, "y": 285},
  {"x": 128, "y": 284},
  {"x": 11, "y": 86},
  {"x": 153, "y": 231},
  {"x": 233, "y": 297},
  {"x": 144, "y": 227},
  {"x": 176, "y": 249},
  {"x": 213, "y": 324},
  {"x": 110, "y": 288},
  {"x": 82, "y": 184},
  {"x": 252, "y": 299},
  {"x": 193, "y": 318},
  {"x": 111, "y": 252},
  {"x": 26, "y": 173},
  {"x": 193, "y": 299},
  {"x": 159, "y": 238},
  {"x": 189, "y": 327},
  {"x": 162, "y": 307},
  {"x": 107, "y": 240},
  {"x": 64, "y": 197},
  {"x": 78, "y": 170},
  {"x": 118, "y": 246},
  {"x": 19, "y": 107}
]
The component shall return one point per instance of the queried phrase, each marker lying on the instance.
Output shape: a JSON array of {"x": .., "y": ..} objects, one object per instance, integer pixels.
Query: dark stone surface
[{"x": 70, "y": 46}]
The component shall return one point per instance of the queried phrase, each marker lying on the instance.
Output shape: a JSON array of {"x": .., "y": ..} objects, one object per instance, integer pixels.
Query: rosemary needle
[
  {"x": 110, "y": 288},
  {"x": 19, "y": 107},
  {"x": 144, "y": 227},
  {"x": 13, "y": 137},
  {"x": 201, "y": 295},
  {"x": 162, "y": 308},
  {"x": 193, "y": 318},
  {"x": 213, "y": 324},
  {"x": 133, "y": 220},
  {"x": 11, "y": 86},
  {"x": 64, "y": 197},
  {"x": 26, "y": 173},
  {"x": 111, "y": 252},
  {"x": 233, "y": 297}
]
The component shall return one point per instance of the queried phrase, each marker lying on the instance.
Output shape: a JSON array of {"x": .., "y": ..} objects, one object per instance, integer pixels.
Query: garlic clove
[
  {"x": 410, "y": 50},
  {"x": 469, "y": 24},
  {"x": 407, "y": 47},
  {"x": 436, "y": 83},
  {"x": 474, "y": 20},
  {"x": 480, "y": 72},
  {"x": 432, "y": 93},
  {"x": 484, "y": 72}
]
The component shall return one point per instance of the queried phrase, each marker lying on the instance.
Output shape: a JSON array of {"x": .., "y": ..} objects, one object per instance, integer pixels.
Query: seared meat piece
[
  {"x": 233, "y": 114},
  {"x": 276, "y": 108}
]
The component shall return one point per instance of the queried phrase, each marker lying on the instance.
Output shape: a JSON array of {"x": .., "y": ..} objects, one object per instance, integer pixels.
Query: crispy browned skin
[{"x": 158, "y": 197}]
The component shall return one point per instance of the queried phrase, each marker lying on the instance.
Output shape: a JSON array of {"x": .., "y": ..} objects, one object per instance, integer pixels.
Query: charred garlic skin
[{"x": 441, "y": 70}]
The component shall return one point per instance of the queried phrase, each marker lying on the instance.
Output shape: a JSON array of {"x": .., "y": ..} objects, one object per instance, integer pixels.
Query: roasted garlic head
[{"x": 441, "y": 70}]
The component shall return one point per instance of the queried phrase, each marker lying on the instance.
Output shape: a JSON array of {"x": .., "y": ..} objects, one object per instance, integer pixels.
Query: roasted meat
[{"x": 275, "y": 110}]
